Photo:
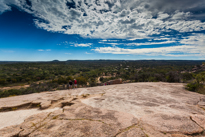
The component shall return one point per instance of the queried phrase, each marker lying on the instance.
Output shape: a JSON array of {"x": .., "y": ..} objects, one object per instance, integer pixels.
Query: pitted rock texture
[{"x": 125, "y": 110}]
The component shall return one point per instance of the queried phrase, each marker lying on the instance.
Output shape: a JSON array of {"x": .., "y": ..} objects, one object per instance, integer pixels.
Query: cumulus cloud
[
  {"x": 162, "y": 15},
  {"x": 124, "y": 19}
]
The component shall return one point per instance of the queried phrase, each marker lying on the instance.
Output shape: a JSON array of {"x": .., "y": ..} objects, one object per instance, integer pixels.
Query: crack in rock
[{"x": 125, "y": 129}]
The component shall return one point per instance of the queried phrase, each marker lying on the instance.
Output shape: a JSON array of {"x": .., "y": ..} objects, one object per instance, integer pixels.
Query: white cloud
[
  {"x": 191, "y": 46},
  {"x": 162, "y": 16},
  {"x": 161, "y": 38},
  {"x": 44, "y": 50},
  {"x": 141, "y": 44},
  {"x": 113, "y": 40},
  {"x": 4, "y": 7},
  {"x": 150, "y": 43},
  {"x": 87, "y": 53},
  {"x": 104, "y": 40},
  {"x": 197, "y": 40},
  {"x": 164, "y": 51},
  {"x": 130, "y": 19},
  {"x": 180, "y": 15},
  {"x": 81, "y": 44},
  {"x": 134, "y": 39}
]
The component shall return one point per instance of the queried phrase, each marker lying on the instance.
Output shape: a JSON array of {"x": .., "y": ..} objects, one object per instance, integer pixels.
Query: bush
[
  {"x": 173, "y": 77},
  {"x": 62, "y": 80},
  {"x": 187, "y": 76},
  {"x": 101, "y": 79},
  {"x": 198, "y": 84},
  {"x": 69, "y": 78},
  {"x": 2, "y": 81},
  {"x": 34, "y": 88},
  {"x": 81, "y": 80},
  {"x": 201, "y": 90},
  {"x": 192, "y": 86},
  {"x": 93, "y": 84}
]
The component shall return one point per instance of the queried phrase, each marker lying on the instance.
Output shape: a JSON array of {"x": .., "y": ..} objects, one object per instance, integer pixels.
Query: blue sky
[{"x": 102, "y": 29}]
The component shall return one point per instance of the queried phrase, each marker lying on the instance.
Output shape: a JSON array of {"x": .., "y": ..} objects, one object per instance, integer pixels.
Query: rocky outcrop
[
  {"x": 112, "y": 82},
  {"x": 125, "y": 110}
]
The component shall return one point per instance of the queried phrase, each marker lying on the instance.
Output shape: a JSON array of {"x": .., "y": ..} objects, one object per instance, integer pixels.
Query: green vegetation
[
  {"x": 50, "y": 76},
  {"x": 197, "y": 84}
]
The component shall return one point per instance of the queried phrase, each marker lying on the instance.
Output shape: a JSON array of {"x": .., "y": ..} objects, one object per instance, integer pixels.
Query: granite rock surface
[{"x": 124, "y": 110}]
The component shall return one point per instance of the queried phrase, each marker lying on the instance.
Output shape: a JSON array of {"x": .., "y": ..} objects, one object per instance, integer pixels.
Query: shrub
[
  {"x": 62, "y": 80},
  {"x": 101, "y": 79},
  {"x": 81, "y": 80},
  {"x": 192, "y": 86},
  {"x": 2, "y": 81},
  {"x": 173, "y": 77},
  {"x": 187, "y": 76},
  {"x": 201, "y": 90},
  {"x": 69, "y": 78}
]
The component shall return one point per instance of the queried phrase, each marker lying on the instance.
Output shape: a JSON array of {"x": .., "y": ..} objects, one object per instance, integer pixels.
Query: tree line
[{"x": 49, "y": 76}]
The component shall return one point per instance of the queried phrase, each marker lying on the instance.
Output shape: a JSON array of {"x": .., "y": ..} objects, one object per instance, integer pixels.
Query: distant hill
[{"x": 55, "y": 61}]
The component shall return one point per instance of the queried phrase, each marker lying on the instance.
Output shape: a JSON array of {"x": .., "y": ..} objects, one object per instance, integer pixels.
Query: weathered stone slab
[
  {"x": 199, "y": 119},
  {"x": 75, "y": 120},
  {"x": 45, "y": 104},
  {"x": 142, "y": 109}
]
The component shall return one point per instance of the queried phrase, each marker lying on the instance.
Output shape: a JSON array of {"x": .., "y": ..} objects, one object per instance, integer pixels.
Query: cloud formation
[
  {"x": 125, "y": 19},
  {"x": 153, "y": 22},
  {"x": 162, "y": 51},
  {"x": 193, "y": 45},
  {"x": 80, "y": 44}
]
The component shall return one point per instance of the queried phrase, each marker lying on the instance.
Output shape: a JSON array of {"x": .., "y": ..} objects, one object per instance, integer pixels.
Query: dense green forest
[{"x": 49, "y": 76}]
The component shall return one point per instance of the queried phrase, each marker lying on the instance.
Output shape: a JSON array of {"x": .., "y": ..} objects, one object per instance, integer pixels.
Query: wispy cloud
[
  {"x": 133, "y": 39},
  {"x": 140, "y": 43},
  {"x": 113, "y": 40},
  {"x": 164, "y": 51},
  {"x": 44, "y": 50},
  {"x": 8, "y": 51},
  {"x": 80, "y": 44},
  {"x": 150, "y": 43},
  {"x": 87, "y": 53},
  {"x": 68, "y": 53},
  {"x": 40, "y": 50}
]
